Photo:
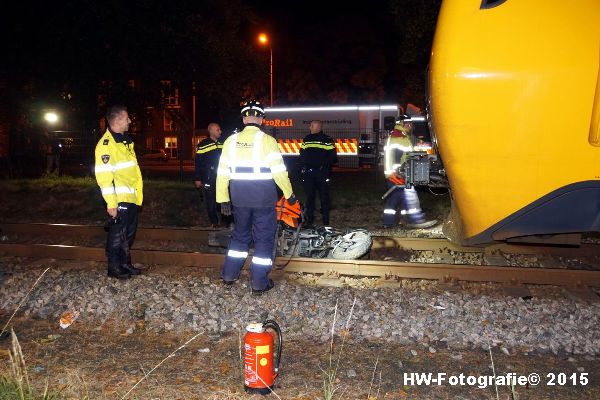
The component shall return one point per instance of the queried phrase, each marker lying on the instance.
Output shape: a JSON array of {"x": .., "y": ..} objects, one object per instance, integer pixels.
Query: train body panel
[{"x": 514, "y": 103}]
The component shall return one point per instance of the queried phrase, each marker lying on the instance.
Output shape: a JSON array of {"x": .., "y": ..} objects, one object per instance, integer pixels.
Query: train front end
[{"x": 514, "y": 106}]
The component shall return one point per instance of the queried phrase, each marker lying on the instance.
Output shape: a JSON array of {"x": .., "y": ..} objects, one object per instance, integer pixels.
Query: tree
[{"x": 412, "y": 28}]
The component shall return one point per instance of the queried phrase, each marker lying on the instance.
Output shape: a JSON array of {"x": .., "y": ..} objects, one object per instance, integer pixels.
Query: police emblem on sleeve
[{"x": 105, "y": 158}]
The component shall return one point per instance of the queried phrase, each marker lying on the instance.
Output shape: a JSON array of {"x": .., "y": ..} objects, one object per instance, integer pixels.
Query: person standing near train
[
  {"x": 317, "y": 155},
  {"x": 208, "y": 153},
  {"x": 398, "y": 144},
  {"x": 251, "y": 168}
]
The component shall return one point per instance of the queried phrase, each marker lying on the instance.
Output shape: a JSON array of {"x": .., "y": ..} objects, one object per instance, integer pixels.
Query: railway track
[
  {"x": 388, "y": 272},
  {"x": 379, "y": 242}
]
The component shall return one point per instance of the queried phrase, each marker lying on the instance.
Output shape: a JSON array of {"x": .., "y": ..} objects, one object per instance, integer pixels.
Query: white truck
[{"x": 357, "y": 130}]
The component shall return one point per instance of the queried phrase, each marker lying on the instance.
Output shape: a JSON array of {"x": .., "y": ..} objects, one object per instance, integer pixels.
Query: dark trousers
[
  {"x": 209, "y": 193},
  {"x": 316, "y": 180},
  {"x": 121, "y": 233},
  {"x": 251, "y": 224},
  {"x": 408, "y": 200}
]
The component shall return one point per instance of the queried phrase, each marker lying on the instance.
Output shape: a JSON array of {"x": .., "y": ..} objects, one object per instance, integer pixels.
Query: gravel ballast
[{"x": 417, "y": 312}]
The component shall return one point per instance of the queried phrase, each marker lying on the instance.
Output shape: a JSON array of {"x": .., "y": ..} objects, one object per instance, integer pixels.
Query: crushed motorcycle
[{"x": 295, "y": 240}]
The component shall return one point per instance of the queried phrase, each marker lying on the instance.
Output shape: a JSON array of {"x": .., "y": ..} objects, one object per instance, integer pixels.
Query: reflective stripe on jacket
[
  {"x": 318, "y": 150},
  {"x": 251, "y": 165},
  {"x": 117, "y": 171},
  {"x": 208, "y": 153},
  {"x": 395, "y": 151}
]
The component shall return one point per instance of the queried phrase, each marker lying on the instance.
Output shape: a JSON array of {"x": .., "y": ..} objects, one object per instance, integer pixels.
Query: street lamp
[
  {"x": 264, "y": 39},
  {"x": 51, "y": 117}
]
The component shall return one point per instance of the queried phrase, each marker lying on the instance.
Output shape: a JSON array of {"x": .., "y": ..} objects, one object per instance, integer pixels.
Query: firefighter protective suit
[
  {"x": 120, "y": 180},
  {"x": 398, "y": 144},
  {"x": 251, "y": 167}
]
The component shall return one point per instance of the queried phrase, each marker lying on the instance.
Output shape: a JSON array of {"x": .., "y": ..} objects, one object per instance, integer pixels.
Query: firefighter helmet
[
  {"x": 403, "y": 118},
  {"x": 253, "y": 108}
]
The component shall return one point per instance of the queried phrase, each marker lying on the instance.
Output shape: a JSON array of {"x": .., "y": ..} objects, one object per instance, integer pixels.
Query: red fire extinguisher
[{"x": 261, "y": 366}]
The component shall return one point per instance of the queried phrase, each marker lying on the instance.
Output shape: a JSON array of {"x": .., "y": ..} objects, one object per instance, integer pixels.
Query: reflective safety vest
[
  {"x": 250, "y": 166},
  {"x": 117, "y": 171},
  {"x": 395, "y": 149}
]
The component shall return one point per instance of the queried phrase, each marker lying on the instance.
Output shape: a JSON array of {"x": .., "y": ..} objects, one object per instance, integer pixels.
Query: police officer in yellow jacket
[
  {"x": 251, "y": 168},
  {"x": 398, "y": 144},
  {"x": 120, "y": 180}
]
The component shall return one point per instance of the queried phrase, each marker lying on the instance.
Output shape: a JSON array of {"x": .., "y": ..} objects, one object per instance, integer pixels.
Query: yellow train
[{"x": 514, "y": 109}]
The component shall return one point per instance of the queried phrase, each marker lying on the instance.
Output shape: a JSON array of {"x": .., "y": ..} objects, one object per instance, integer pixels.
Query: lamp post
[
  {"x": 264, "y": 39},
  {"x": 52, "y": 146}
]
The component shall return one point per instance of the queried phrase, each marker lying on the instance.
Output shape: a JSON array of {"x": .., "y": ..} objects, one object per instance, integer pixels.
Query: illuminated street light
[
  {"x": 264, "y": 39},
  {"x": 51, "y": 117}
]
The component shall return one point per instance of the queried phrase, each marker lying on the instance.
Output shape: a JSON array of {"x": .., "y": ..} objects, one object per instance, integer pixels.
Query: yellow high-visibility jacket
[
  {"x": 395, "y": 149},
  {"x": 117, "y": 171},
  {"x": 250, "y": 166}
]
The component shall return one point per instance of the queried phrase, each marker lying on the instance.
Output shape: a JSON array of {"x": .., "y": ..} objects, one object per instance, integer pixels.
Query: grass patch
[
  {"x": 355, "y": 201},
  {"x": 46, "y": 182},
  {"x": 17, "y": 385}
]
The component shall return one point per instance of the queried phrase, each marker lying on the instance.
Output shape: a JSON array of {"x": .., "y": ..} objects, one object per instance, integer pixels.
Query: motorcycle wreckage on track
[{"x": 294, "y": 240}]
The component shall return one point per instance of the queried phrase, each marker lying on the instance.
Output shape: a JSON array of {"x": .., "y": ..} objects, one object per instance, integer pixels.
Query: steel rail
[
  {"x": 384, "y": 269},
  {"x": 379, "y": 242},
  {"x": 438, "y": 245},
  {"x": 178, "y": 234}
]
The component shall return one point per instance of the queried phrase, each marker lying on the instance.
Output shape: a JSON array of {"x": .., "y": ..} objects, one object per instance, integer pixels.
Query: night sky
[{"x": 324, "y": 52}]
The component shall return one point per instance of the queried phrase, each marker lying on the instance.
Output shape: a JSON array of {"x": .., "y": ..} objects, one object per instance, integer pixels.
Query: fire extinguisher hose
[{"x": 273, "y": 325}]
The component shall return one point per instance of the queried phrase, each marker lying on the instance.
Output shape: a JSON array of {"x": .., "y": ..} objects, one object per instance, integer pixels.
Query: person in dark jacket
[
  {"x": 317, "y": 155},
  {"x": 208, "y": 153}
]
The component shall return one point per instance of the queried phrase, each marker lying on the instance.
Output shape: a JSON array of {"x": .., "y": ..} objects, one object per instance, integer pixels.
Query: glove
[
  {"x": 292, "y": 200},
  {"x": 226, "y": 208}
]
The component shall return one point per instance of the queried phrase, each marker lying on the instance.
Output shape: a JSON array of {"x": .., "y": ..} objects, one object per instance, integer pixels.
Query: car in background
[{"x": 155, "y": 155}]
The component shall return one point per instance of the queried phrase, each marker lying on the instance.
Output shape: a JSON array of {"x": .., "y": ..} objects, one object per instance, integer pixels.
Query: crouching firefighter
[
  {"x": 398, "y": 145},
  {"x": 251, "y": 168}
]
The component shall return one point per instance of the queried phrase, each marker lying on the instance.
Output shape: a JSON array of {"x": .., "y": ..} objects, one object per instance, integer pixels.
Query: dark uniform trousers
[
  {"x": 316, "y": 180},
  {"x": 121, "y": 233},
  {"x": 260, "y": 222},
  {"x": 408, "y": 199},
  {"x": 209, "y": 192}
]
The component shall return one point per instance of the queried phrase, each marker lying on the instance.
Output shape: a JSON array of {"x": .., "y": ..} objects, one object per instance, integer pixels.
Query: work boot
[
  {"x": 131, "y": 269},
  {"x": 269, "y": 287},
  {"x": 422, "y": 225},
  {"x": 117, "y": 271}
]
